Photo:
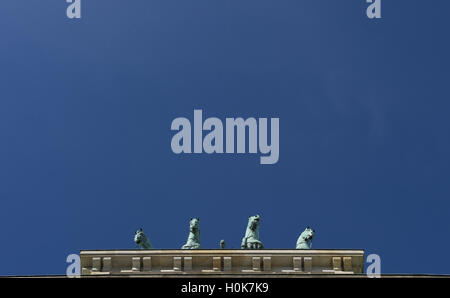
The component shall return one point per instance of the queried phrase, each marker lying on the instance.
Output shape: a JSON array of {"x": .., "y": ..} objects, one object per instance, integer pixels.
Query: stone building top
[{"x": 221, "y": 262}]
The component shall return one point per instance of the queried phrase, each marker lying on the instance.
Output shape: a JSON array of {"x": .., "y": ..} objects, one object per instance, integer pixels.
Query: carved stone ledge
[{"x": 223, "y": 261}]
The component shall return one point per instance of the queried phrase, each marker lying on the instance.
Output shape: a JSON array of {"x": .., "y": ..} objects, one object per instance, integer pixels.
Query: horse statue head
[
  {"x": 141, "y": 240},
  {"x": 251, "y": 238},
  {"x": 305, "y": 239},
  {"x": 193, "y": 241}
]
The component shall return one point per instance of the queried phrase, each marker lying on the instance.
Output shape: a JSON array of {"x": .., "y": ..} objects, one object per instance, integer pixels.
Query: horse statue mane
[
  {"x": 193, "y": 241},
  {"x": 304, "y": 241},
  {"x": 141, "y": 240},
  {"x": 251, "y": 238}
]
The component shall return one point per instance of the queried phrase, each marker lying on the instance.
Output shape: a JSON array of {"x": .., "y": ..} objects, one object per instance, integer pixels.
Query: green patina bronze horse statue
[
  {"x": 141, "y": 240},
  {"x": 193, "y": 241},
  {"x": 304, "y": 241},
  {"x": 251, "y": 238}
]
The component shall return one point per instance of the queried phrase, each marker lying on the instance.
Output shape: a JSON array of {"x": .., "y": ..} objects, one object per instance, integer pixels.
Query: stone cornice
[{"x": 221, "y": 261}]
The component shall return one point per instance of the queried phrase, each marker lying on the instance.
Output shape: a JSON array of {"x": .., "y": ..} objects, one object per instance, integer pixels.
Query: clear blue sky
[{"x": 86, "y": 107}]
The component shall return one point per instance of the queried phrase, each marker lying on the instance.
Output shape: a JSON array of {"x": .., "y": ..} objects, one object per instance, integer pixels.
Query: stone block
[
  {"x": 176, "y": 263},
  {"x": 97, "y": 264},
  {"x": 297, "y": 263},
  {"x": 348, "y": 264},
  {"x": 147, "y": 263},
  {"x": 256, "y": 262},
  {"x": 267, "y": 264},
  {"x": 107, "y": 264},
  {"x": 187, "y": 263},
  {"x": 136, "y": 264},
  {"x": 337, "y": 263},
  {"x": 217, "y": 263},
  {"x": 307, "y": 264}
]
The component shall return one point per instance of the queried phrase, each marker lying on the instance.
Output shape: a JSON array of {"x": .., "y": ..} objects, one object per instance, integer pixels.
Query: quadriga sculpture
[
  {"x": 304, "y": 241},
  {"x": 193, "y": 241},
  {"x": 251, "y": 238},
  {"x": 141, "y": 240}
]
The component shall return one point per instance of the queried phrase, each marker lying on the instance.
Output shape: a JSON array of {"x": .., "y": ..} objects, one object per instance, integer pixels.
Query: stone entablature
[{"x": 221, "y": 261}]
